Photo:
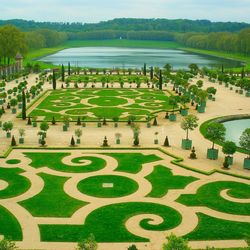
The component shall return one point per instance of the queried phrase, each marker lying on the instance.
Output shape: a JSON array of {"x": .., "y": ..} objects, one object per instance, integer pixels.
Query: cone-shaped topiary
[
  {"x": 53, "y": 121},
  {"x": 29, "y": 121},
  {"x": 78, "y": 123},
  {"x": 166, "y": 142},
  {"x": 13, "y": 141},
  {"x": 155, "y": 122},
  {"x": 72, "y": 142}
]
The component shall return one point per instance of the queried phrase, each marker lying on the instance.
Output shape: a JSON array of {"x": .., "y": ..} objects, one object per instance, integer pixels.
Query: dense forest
[{"x": 20, "y": 35}]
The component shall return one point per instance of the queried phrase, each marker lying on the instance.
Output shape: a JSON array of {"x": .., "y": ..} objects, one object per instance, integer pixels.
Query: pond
[
  {"x": 235, "y": 129},
  {"x": 112, "y": 57}
]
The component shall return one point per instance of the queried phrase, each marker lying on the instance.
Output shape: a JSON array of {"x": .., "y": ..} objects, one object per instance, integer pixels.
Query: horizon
[
  {"x": 136, "y": 18},
  {"x": 84, "y": 11}
]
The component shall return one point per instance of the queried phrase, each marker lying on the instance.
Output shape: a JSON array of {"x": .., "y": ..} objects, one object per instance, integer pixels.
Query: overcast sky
[{"x": 101, "y": 10}]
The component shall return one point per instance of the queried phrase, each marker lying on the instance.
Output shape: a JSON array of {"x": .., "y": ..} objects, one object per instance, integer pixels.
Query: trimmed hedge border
[
  {"x": 221, "y": 119},
  {"x": 177, "y": 159}
]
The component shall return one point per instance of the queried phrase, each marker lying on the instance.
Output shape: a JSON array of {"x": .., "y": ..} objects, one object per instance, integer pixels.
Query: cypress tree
[
  {"x": 78, "y": 121},
  {"x": 69, "y": 69},
  {"x": 151, "y": 73},
  {"x": 29, "y": 121},
  {"x": 63, "y": 73},
  {"x": 54, "y": 80},
  {"x": 242, "y": 73},
  {"x": 23, "y": 106},
  {"x": 145, "y": 69},
  {"x": 72, "y": 142},
  {"x": 222, "y": 68},
  {"x": 13, "y": 141},
  {"x": 160, "y": 81}
]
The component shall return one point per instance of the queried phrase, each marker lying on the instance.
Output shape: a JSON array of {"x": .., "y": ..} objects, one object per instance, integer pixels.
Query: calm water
[
  {"x": 235, "y": 129},
  {"x": 112, "y": 57}
]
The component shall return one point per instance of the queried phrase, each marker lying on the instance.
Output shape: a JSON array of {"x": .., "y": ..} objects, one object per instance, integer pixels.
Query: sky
[{"x": 92, "y": 11}]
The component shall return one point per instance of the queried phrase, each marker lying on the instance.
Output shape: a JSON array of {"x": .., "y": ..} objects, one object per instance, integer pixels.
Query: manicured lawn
[
  {"x": 52, "y": 201},
  {"x": 108, "y": 223},
  {"x": 107, "y": 193},
  {"x": 209, "y": 195},
  {"x": 162, "y": 179},
  {"x": 99, "y": 103},
  {"x": 17, "y": 184},
  {"x": 132, "y": 162},
  {"x": 210, "y": 228},
  {"x": 9, "y": 225},
  {"x": 40, "y": 160},
  {"x": 93, "y": 186}
]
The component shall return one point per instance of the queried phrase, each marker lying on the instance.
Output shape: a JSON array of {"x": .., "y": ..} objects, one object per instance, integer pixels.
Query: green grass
[
  {"x": 210, "y": 228},
  {"x": 108, "y": 223},
  {"x": 132, "y": 162},
  {"x": 101, "y": 103},
  {"x": 122, "y": 186},
  {"x": 9, "y": 226},
  {"x": 18, "y": 184},
  {"x": 40, "y": 160},
  {"x": 52, "y": 201},
  {"x": 13, "y": 161},
  {"x": 162, "y": 179},
  {"x": 209, "y": 196}
]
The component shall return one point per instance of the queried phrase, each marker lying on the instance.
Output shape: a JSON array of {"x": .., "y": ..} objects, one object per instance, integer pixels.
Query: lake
[
  {"x": 235, "y": 128},
  {"x": 112, "y": 57}
]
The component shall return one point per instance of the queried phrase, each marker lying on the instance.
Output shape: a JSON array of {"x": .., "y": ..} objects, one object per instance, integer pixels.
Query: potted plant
[
  {"x": 188, "y": 123},
  {"x": 13, "y": 103},
  {"x": 7, "y": 127},
  {"x": 44, "y": 126},
  {"x": 83, "y": 121},
  {"x": 184, "y": 100},
  {"x": 173, "y": 100},
  {"x": 245, "y": 143},
  {"x": 156, "y": 141},
  {"x": 118, "y": 138},
  {"x": 202, "y": 96},
  {"x": 21, "y": 134},
  {"x": 78, "y": 134},
  {"x": 136, "y": 133},
  {"x": 148, "y": 119},
  {"x": 115, "y": 120},
  {"x": 65, "y": 123},
  {"x": 34, "y": 123},
  {"x": 215, "y": 132},
  {"x": 229, "y": 148}
]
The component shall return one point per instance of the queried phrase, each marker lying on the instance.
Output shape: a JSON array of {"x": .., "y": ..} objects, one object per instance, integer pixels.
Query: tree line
[
  {"x": 131, "y": 24},
  {"x": 222, "y": 41}
]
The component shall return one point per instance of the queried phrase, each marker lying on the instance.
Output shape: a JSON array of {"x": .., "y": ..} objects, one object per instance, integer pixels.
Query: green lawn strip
[
  {"x": 9, "y": 226},
  {"x": 210, "y": 228},
  {"x": 122, "y": 186},
  {"x": 132, "y": 162},
  {"x": 17, "y": 184},
  {"x": 208, "y": 195},
  {"x": 52, "y": 201},
  {"x": 54, "y": 161},
  {"x": 162, "y": 179},
  {"x": 13, "y": 161},
  {"x": 108, "y": 223}
]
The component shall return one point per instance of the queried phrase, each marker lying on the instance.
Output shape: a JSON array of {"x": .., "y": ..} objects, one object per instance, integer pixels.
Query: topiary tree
[
  {"x": 72, "y": 142},
  {"x": 7, "y": 127},
  {"x": 13, "y": 103},
  {"x": 136, "y": 132},
  {"x": 23, "y": 105},
  {"x": 176, "y": 243},
  {"x": 88, "y": 244},
  {"x": 132, "y": 247},
  {"x": 78, "y": 134},
  {"x": 215, "y": 131},
  {"x": 54, "y": 80},
  {"x": 190, "y": 122},
  {"x": 13, "y": 141},
  {"x": 229, "y": 148},
  {"x": 44, "y": 126},
  {"x": 245, "y": 141}
]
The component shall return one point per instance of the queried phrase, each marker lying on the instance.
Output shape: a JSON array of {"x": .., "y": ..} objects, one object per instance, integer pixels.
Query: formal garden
[{"x": 76, "y": 192}]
